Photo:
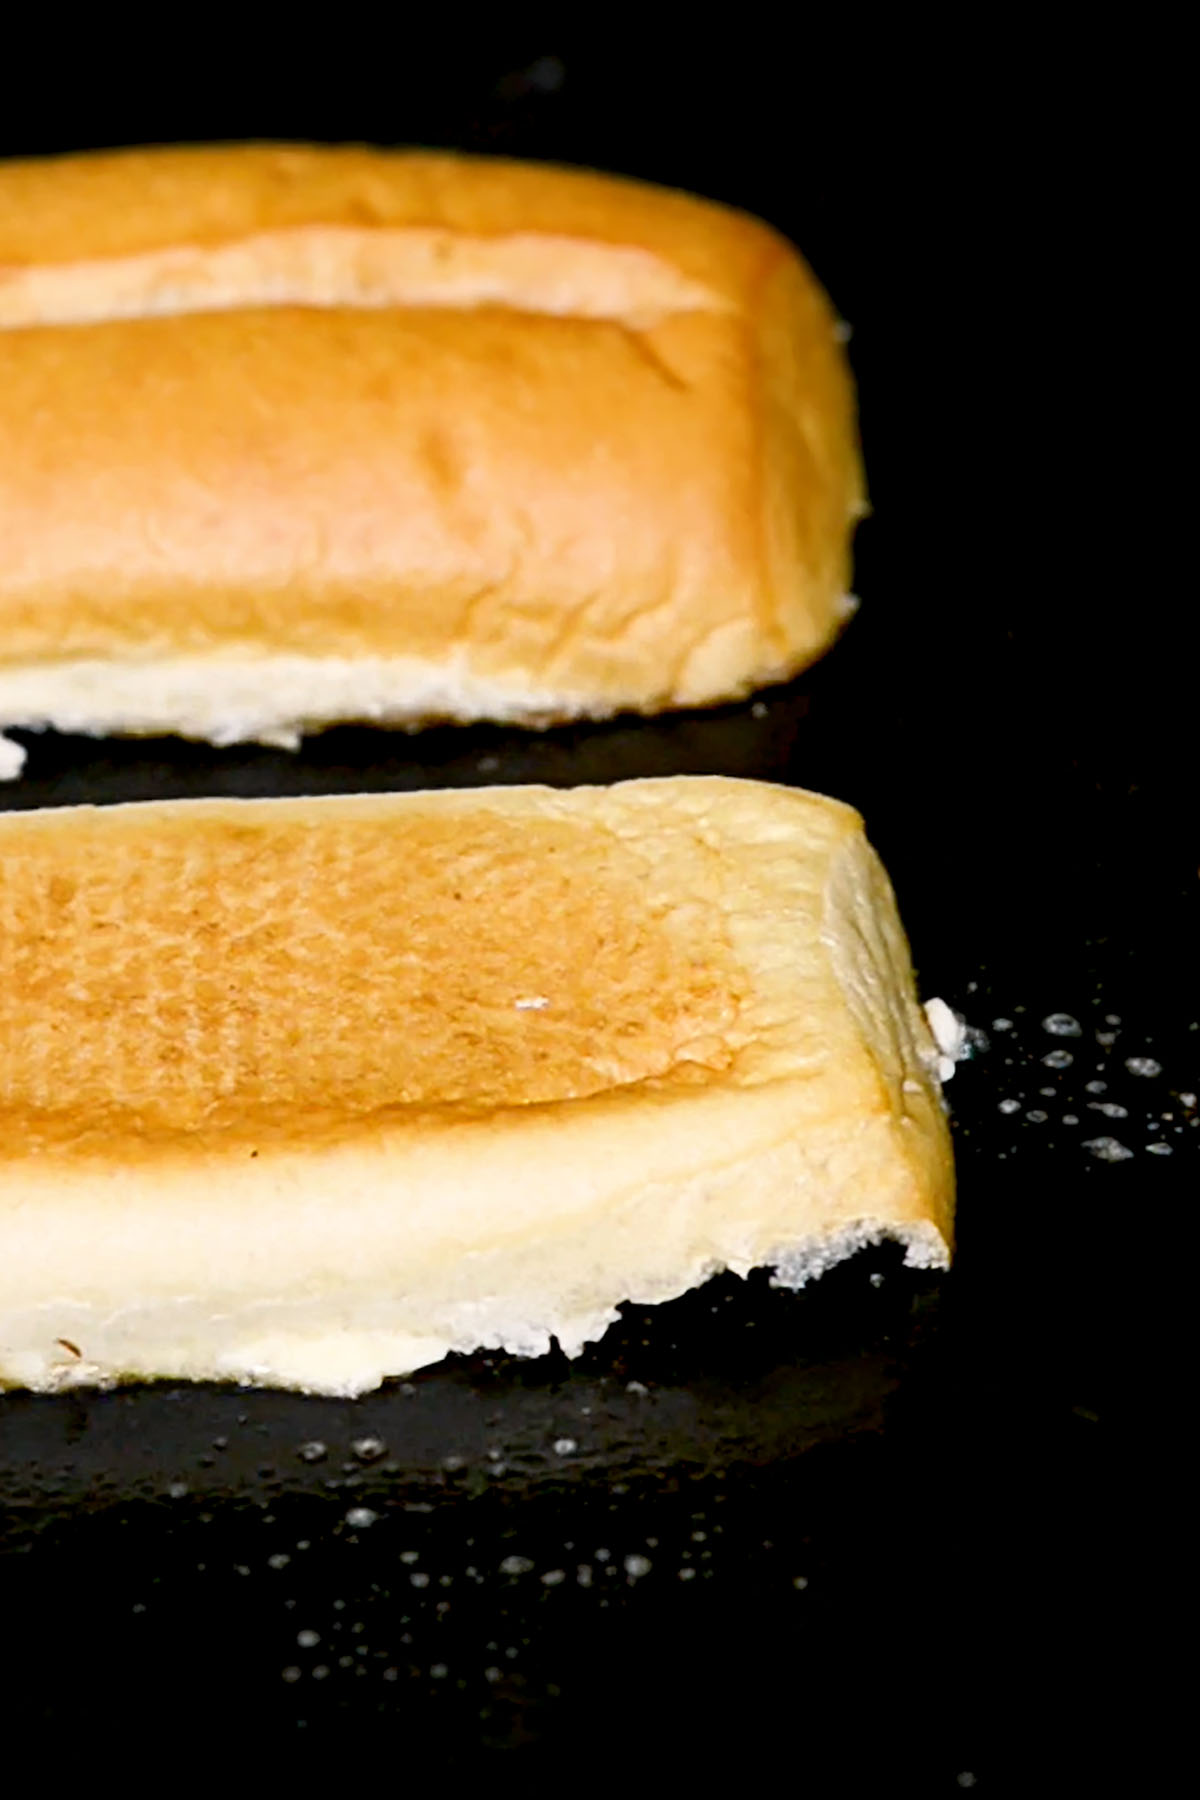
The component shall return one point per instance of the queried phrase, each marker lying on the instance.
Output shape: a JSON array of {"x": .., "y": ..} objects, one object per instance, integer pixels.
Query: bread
[
  {"x": 291, "y": 436},
  {"x": 311, "y": 1092}
]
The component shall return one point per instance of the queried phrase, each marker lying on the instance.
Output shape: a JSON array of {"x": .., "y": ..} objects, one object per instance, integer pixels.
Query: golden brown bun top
[
  {"x": 128, "y": 202},
  {"x": 596, "y": 438}
]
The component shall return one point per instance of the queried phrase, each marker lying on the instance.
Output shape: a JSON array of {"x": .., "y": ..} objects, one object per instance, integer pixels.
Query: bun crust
[{"x": 517, "y": 442}]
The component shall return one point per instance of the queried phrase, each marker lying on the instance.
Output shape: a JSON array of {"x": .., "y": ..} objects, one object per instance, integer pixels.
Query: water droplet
[
  {"x": 320, "y": 1671},
  {"x": 1036, "y": 1116},
  {"x": 369, "y": 1449},
  {"x": 552, "y": 1577},
  {"x": 308, "y": 1639},
  {"x": 636, "y": 1387},
  {"x": 1160, "y": 1149},
  {"x": 1070, "y": 1118},
  {"x": 565, "y": 1446},
  {"x": 439, "y": 1671},
  {"x": 800, "y": 1581},
  {"x": 177, "y": 1490},
  {"x": 1107, "y": 1149},
  {"x": 1002, "y": 1024},
  {"x": 636, "y": 1566},
  {"x": 419, "y": 1579},
  {"x": 1010, "y": 1106},
  {"x": 1058, "y": 1059},
  {"x": 516, "y": 1565},
  {"x": 1062, "y": 1025},
  {"x": 1109, "y": 1108},
  {"x": 359, "y": 1517},
  {"x": 1143, "y": 1065},
  {"x": 876, "y": 1279},
  {"x": 291, "y": 1673},
  {"x": 315, "y": 1451},
  {"x": 492, "y": 1673},
  {"x": 1097, "y": 1087},
  {"x": 279, "y": 1561}
]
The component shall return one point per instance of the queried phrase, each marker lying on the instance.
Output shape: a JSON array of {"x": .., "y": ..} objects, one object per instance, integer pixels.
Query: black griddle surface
[
  {"x": 870, "y": 1532},
  {"x": 891, "y": 1480}
]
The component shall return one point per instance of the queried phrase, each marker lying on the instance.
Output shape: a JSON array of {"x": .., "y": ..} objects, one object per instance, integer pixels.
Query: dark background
[{"x": 943, "y": 1463}]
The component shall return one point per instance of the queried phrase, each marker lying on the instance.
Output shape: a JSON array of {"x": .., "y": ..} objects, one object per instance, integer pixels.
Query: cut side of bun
[
  {"x": 311, "y": 1093},
  {"x": 492, "y": 440}
]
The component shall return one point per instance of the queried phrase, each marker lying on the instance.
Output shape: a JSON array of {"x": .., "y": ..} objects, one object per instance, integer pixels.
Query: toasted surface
[
  {"x": 314, "y": 1091},
  {"x": 232, "y": 968},
  {"x": 523, "y": 442}
]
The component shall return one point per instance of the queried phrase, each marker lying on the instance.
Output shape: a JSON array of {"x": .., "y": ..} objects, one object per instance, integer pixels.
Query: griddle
[{"x": 862, "y": 1537}]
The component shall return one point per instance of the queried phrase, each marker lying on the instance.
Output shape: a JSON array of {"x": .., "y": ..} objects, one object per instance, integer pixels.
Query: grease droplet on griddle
[
  {"x": 369, "y": 1449},
  {"x": 1107, "y": 1149},
  {"x": 1062, "y": 1025}
]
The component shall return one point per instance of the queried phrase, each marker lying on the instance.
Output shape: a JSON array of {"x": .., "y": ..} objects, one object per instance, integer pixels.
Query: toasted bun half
[{"x": 312, "y": 1092}]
